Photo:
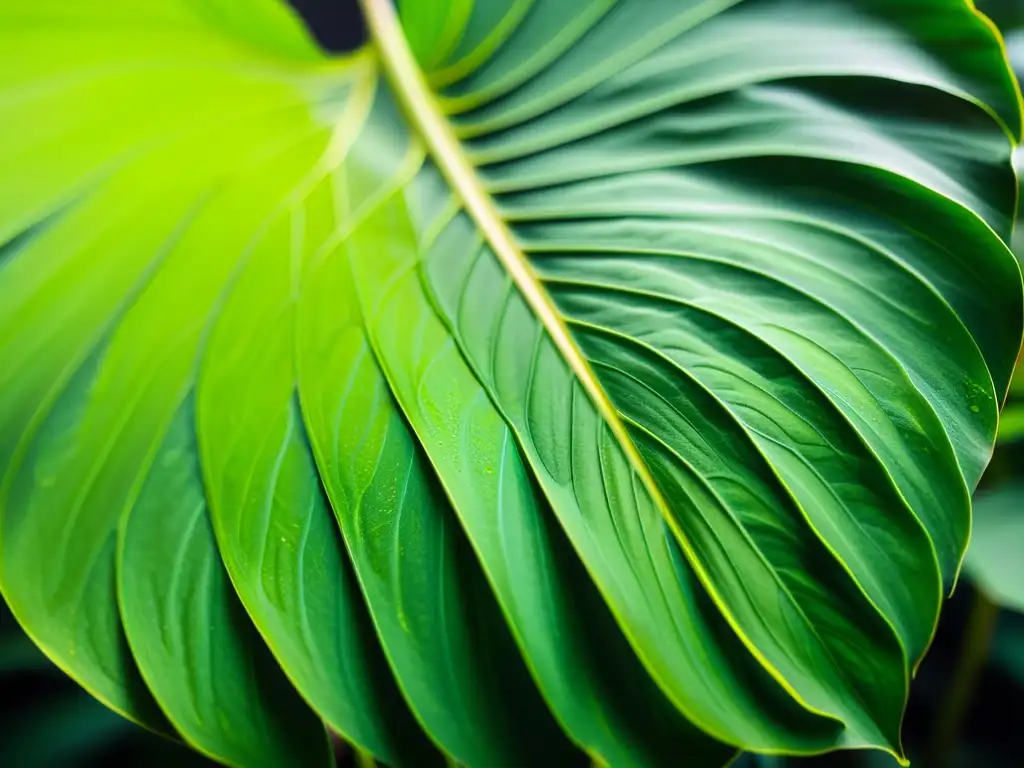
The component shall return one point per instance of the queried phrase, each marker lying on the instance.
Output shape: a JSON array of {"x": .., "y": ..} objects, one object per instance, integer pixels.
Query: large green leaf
[{"x": 563, "y": 380}]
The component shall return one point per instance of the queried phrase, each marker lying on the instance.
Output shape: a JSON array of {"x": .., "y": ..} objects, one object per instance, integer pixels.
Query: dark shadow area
[{"x": 337, "y": 24}]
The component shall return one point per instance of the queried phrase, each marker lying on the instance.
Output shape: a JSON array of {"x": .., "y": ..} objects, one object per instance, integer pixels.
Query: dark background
[{"x": 337, "y": 24}]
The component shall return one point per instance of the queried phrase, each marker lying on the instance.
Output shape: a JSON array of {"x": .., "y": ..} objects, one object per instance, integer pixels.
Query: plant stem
[{"x": 974, "y": 652}]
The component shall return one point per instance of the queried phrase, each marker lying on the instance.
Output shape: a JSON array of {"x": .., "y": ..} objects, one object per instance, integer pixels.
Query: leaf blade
[{"x": 195, "y": 645}]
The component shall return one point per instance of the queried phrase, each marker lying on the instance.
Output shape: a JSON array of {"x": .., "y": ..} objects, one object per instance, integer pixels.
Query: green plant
[{"x": 608, "y": 385}]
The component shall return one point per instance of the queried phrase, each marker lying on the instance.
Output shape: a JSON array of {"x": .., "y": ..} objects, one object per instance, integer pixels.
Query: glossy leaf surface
[{"x": 551, "y": 381}]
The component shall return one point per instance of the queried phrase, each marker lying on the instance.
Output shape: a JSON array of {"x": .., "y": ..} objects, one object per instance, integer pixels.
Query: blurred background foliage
[{"x": 967, "y": 702}]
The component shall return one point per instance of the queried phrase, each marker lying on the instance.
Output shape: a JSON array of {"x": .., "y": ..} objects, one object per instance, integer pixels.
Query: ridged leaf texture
[{"x": 558, "y": 381}]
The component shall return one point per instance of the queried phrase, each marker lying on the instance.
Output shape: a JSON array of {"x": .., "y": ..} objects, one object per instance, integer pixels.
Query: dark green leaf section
[
  {"x": 645, "y": 175},
  {"x": 616, "y": 397},
  {"x": 572, "y": 648},
  {"x": 433, "y": 610},
  {"x": 637, "y": 178},
  {"x": 193, "y": 641},
  {"x": 490, "y": 314},
  {"x": 600, "y": 503}
]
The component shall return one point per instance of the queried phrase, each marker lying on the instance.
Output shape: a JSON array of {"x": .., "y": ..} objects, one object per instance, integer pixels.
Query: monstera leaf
[{"x": 556, "y": 381}]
